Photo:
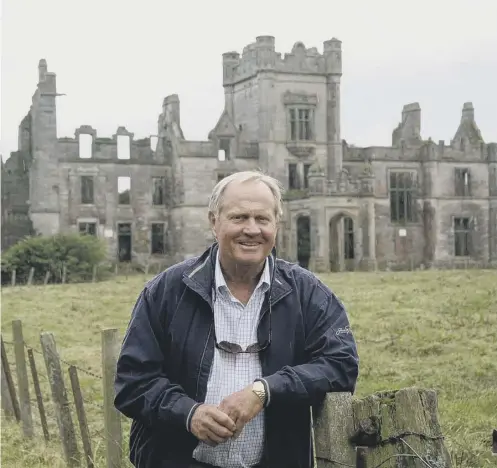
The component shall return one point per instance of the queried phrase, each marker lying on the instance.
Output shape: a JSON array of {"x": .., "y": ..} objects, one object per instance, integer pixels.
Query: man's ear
[
  {"x": 212, "y": 219},
  {"x": 212, "y": 223}
]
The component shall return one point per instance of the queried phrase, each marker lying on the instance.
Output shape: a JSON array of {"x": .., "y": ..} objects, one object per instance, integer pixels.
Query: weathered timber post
[
  {"x": 22, "y": 380},
  {"x": 403, "y": 422},
  {"x": 10, "y": 382},
  {"x": 60, "y": 400},
  {"x": 7, "y": 405},
  {"x": 39, "y": 397},
  {"x": 30, "y": 276},
  {"x": 80, "y": 412},
  {"x": 334, "y": 425},
  {"x": 113, "y": 431}
]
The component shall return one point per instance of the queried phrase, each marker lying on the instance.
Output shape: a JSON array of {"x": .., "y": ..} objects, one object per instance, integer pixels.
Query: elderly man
[{"x": 226, "y": 353}]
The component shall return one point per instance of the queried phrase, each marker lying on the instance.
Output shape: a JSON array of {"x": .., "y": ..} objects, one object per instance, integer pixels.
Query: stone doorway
[
  {"x": 342, "y": 248},
  {"x": 303, "y": 241},
  {"x": 124, "y": 242}
]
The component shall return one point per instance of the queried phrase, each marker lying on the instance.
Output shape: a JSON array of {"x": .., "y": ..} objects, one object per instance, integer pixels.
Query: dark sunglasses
[{"x": 233, "y": 348}]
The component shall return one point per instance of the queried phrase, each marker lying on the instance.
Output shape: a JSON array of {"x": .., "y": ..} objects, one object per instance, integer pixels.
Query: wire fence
[
  {"x": 36, "y": 398},
  {"x": 27, "y": 387}
]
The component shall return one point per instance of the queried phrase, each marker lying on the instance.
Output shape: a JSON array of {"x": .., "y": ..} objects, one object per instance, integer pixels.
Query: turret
[
  {"x": 265, "y": 50},
  {"x": 333, "y": 67},
  {"x": 409, "y": 129},
  {"x": 230, "y": 62},
  {"x": 333, "y": 56},
  {"x": 468, "y": 134},
  {"x": 171, "y": 115}
]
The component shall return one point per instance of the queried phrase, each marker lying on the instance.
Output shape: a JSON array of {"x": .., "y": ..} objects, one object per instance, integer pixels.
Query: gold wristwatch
[{"x": 260, "y": 390}]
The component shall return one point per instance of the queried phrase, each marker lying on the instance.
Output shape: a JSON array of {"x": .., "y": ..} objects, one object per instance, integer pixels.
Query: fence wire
[{"x": 103, "y": 434}]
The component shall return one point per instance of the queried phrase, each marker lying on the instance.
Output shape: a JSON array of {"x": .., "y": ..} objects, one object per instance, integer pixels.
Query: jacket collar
[{"x": 200, "y": 277}]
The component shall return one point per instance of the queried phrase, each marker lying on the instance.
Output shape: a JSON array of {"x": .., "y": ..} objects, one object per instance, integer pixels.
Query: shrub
[{"x": 78, "y": 253}]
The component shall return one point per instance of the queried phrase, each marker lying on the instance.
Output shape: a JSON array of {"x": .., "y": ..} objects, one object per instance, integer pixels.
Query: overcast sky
[{"x": 117, "y": 59}]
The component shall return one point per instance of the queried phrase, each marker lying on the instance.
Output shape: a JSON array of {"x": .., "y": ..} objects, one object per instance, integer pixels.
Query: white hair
[{"x": 274, "y": 185}]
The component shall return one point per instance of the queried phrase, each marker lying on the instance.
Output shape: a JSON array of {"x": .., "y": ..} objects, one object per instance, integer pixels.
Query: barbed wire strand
[
  {"x": 79, "y": 368},
  {"x": 389, "y": 440}
]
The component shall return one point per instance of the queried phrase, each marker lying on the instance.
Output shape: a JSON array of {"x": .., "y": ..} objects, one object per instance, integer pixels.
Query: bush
[{"x": 78, "y": 253}]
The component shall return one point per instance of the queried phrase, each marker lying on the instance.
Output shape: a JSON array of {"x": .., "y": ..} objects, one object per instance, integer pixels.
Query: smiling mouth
[{"x": 249, "y": 244}]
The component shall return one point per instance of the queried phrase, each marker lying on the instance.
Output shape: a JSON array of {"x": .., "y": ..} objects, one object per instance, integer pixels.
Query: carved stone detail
[
  {"x": 301, "y": 149},
  {"x": 300, "y": 98}
]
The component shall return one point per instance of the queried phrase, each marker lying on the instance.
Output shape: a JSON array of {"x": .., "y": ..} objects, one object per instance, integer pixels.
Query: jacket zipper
[{"x": 201, "y": 362}]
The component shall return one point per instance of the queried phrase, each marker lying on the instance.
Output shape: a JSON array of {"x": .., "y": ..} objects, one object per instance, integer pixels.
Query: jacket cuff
[
  {"x": 182, "y": 409},
  {"x": 190, "y": 416}
]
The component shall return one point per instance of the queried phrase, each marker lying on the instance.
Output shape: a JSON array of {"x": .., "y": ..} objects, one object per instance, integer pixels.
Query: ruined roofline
[{"x": 261, "y": 55}]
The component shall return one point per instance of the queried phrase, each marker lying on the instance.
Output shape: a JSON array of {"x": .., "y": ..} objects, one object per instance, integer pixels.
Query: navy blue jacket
[{"x": 168, "y": 350}]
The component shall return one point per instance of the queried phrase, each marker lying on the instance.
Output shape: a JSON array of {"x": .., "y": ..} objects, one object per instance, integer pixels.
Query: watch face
[{"x": 258, "y": 386}]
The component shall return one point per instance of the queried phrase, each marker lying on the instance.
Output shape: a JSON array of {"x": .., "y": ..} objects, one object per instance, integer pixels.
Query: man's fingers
[
  {"x": 220, "y": 431},
  {"x": 214, "y": 439},
  {"x": 223, "y": 419}
]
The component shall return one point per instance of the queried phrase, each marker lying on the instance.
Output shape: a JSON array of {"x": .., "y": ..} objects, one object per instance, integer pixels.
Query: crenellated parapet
[{"x": 261, "y": 55}]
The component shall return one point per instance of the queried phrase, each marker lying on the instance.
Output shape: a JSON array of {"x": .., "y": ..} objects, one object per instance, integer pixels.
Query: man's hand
[
  {"x": 241, "y": 407},
  {"x": 211, "y": 425}
]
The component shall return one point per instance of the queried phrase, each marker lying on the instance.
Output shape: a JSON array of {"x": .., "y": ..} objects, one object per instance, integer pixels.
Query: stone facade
[{"x": 415, "y": 203}]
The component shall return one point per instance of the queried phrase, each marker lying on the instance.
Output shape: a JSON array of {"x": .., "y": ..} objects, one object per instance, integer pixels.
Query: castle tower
[
  {"x": 230, "y": 62},
  {"x": 333, "y": 68},
  {"x": 44, "y": 173}
]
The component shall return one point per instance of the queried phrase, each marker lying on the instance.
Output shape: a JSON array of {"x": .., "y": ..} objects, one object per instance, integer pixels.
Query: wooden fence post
[
  {"x": 39, "y": 398},
  {"x": 47, "y": 277},
  {"x": 22, "y": 380},
  {"x": 10, "y": 382},
  {"x": 59, "y": 397},
  {"x": 30, "y": 276},
  {"x": 13, "y": 277},
  {"x": 113, "y": 431},
  {"x": 333, "y": 425},
  {"x": 7, "y": 405},
  {"x": 80, "y": 411}
]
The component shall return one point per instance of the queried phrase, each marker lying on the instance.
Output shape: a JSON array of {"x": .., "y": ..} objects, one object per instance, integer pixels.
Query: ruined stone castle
[{"x": 417, "y": 202}]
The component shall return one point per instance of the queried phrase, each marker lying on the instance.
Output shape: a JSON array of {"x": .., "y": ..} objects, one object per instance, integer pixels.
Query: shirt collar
[{"x": 264, "y": 280}]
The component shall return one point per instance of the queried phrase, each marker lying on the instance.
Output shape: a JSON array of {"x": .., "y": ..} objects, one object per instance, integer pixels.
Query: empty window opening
[
  {"x": 462, "y": 182},
  {"x": 293, "y": 177},
  {"x": 463, "y": 228},
  {"x": 85, "y": 142},
  {"x": 158, "y": 244},
  {"x": 124, "y": 242},
  {"x": 124, "y": 190},
  {"x": 221, "y": 155},
  {"x": 224, "y": 144},
  {"x": 159, "y": 189},
  {"x": 123, "y": 147},
  {"x": 153, "y": 143},
  {"x": 89, "y": 229},
  {"x": 348, "y": 237},
  {"x": 87, "y": 190}
]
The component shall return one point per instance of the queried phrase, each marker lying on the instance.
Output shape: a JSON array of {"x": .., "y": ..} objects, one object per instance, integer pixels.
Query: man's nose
[{"x": 251, "y": 227}]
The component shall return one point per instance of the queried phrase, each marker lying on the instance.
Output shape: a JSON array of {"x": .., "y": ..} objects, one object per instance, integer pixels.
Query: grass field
[{"x": 428, "y": 329}]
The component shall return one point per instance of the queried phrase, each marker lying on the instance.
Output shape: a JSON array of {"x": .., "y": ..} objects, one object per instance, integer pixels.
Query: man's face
[{"x": 246, "y": 225}]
